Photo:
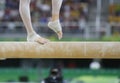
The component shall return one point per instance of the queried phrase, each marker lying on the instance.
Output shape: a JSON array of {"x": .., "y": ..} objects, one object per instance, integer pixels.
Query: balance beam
[{"x": 60, "y": 50}]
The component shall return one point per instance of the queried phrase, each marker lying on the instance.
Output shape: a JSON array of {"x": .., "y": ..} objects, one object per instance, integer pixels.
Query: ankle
[
  {"x": 31, "y": 34},
  {"x": 55, "y": 17}
]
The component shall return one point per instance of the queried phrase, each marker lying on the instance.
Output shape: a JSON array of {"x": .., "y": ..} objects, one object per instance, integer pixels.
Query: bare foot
[
  {"x": 60, "y": 34},
  {"x": 37, "y": 38}
]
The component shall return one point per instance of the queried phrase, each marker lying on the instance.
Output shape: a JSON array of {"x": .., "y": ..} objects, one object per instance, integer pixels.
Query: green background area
[
  {"x": 54, "y": 38},
  {"x": 97, "y": 79},
  {"x": 73, "y": 75}
]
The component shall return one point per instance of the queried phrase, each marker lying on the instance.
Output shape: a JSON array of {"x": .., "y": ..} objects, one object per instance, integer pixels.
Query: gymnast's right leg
[
  {"x": 54, "y": 24},
  {"x": 32, "y": 36}
]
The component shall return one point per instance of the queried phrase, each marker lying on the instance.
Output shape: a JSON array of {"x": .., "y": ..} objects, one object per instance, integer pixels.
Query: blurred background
[
  {"x": 82, "y": 20},
  {"x": 72, "y": 70}
]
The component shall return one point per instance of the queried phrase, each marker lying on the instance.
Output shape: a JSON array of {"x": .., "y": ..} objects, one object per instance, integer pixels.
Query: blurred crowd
[
  {"x": 114, "y": 11},
  {"x": 41, "y": 10},
  {"x": 75, "y": 11}
]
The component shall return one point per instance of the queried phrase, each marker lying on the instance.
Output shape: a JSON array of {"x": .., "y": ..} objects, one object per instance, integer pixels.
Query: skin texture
[{"x": 24, "y": 10}]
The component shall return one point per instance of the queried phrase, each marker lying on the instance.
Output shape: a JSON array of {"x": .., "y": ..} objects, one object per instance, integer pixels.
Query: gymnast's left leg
[{"x": 32, "y": 36}]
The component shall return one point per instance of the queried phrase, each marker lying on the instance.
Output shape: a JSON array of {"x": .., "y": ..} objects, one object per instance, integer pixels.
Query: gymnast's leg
[
  {"x": 32, "y": 36},
  {"x": 54, "y": 24}
]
